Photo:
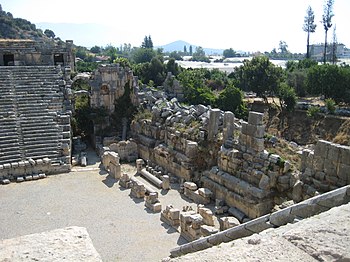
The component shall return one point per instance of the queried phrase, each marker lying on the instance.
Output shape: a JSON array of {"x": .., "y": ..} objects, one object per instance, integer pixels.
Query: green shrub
[
  {"x": 313, "y": 111},
  {"x": 331, "y": 105}
]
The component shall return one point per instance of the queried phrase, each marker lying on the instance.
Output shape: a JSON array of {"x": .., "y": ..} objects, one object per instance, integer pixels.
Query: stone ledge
[{"x": 69, "y": 244}]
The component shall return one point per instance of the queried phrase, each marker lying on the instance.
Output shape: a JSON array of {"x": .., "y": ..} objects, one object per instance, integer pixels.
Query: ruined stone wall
[
  {"x": 247, "y": 177},
  {"x": 324, "y": 169},
  {"x": 175, "y": 138},
  {"x": 108, "y": 83}
]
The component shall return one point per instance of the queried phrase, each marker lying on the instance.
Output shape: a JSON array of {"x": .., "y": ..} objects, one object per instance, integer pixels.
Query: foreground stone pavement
[
  {"x": 70, "y": 244},
  {"x": 119, "y": 226},
  {"x": 324, "y": 237}
]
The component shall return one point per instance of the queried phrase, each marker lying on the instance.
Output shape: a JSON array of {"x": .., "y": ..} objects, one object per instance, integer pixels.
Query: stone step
[
  {"x": 10, "y": 159},
  {"x": 42, "y": 154}
]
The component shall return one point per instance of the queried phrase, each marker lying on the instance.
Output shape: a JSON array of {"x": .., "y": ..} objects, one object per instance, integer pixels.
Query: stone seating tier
[{"x": 31, "y": 98}]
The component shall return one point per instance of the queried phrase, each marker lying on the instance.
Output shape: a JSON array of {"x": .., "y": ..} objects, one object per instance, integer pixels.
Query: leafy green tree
[
  {"x": 329, "y": 80},
  {"x": 49, "y": 33},
  {"x": 147, "y": 42},
  {"x": 287, "y": 97},
  {"x": 327, "y": 23},
  {"x": 231, "y": 99},
  {"x": 95, "y": 49},
  {"x": 142, "y": 55},
  {"x": 172, "y": 67},
  {"x": 191, "y": 51},
  {"x": 199, "y": 55},
  {"x": 176, "y": 55},
  {"x": 194, "y": 88},
  {"x": 229, "y": 53},
  {"x": 122, "y": 61},
  {"x": 185, "y": 50},
  {"x": 309, "y": 27},
  {"x": 283, "y": 47},
  {"x": 260, "y": 76}
]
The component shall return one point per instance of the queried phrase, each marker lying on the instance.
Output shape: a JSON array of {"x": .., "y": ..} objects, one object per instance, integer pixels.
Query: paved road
[{"x": 119, "y": 226}]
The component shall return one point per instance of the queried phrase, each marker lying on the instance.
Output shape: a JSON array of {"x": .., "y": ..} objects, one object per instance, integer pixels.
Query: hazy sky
[{"x": 248, "y": 25}]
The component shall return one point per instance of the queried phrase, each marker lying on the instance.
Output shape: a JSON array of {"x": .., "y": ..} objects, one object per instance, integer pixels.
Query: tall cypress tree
[{"x": 309, "y": 27}]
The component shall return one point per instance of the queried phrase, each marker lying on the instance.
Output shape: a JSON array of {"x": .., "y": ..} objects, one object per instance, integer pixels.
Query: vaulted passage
[{"x": 9, "y": 59}]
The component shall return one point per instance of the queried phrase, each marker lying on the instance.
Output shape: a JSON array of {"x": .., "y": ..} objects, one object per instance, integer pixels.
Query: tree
[
  {"x": 147, "y": 42},
  {"x": 283, "y": 47},
  {"x": 231, "y": 99},
  {"x": 199, "y": 55},
  {"x": 191, "y": 51},
  {"x": 332, "y": 81},
  {"x": 172, "y": 67},
  {"x": 49, "y": 33},
  {"x": 334, "y": 46},
  {"x": 143, "y": 55},
  {"x": 309, "y": 27},
  {"x": 95, "y": 49},
  {"x": 287, "y": 97},
  {"x": 229, "y": 53},
  {"x": 260, "y": 76},
  {"x": 327, "y": 23},
  {"x": 185, "y": 50}
]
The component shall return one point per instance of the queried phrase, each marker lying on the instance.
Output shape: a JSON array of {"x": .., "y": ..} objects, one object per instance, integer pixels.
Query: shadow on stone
[{"x": 109, "y": 181}]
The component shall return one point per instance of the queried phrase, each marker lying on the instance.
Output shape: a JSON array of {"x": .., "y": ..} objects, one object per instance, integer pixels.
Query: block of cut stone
[
  {"x": 274, "y": 158},
  {"x": 5, "y": 181},
  {"x": 228, "y": 222},
  {"x": 174, "y": 213},
  {"x": 190, "y": 185},
  {"x": 31, "y": 161},
  {"x": 7, "y": 166},
  {"x": 204, "y": 192},
  {"x": 14, "y": 164},
  {"x": 255, "y": 118},
  {"x": 156, "y": 207},
  {"x": 236, "y": 213},
  {"x": 26, "y": 162},
  {"x": 345, "y": 155},
  {"x": 208, "y": 230},
  {"x": 28, "y": 178},
  {"x": 39, "y": 161},
  {"x": 21, "y": 164},
  {"x": 35, "y": 177},
  {"x": 19, "y": 179},
  {"x": 46, "y": 160},
  {"x": 42, "y": 175}
]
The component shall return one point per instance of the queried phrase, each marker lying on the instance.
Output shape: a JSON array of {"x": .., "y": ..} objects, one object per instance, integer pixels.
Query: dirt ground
[{"x": 121, "y": 228}]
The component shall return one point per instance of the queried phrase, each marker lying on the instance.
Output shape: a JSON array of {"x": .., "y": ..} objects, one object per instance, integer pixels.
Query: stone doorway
[
  {"x": 58, "y": 59},
  {"x": 9, "y": 59}
]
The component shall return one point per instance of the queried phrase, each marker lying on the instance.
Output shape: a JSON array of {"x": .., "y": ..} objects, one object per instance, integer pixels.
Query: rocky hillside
[{"x": 18, "y": 28}]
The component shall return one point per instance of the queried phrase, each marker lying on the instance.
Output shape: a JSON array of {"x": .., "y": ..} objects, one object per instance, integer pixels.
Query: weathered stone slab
[{"x": 67, "y": 244}]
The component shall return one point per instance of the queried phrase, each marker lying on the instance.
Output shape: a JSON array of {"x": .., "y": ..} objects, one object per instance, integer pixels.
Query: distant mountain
[{"x": 179, "y": 46}]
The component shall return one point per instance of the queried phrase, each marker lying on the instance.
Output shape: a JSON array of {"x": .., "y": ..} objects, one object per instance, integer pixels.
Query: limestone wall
[
  {"x": 108, "y": 83},
  {"x": 247, "y": 177},
  {"x": 324, "y": 169},
  {"x": 176, "y": 138}
]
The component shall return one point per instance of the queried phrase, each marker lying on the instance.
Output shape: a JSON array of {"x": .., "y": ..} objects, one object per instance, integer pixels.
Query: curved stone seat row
[{"x": 31, "y": 101}]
